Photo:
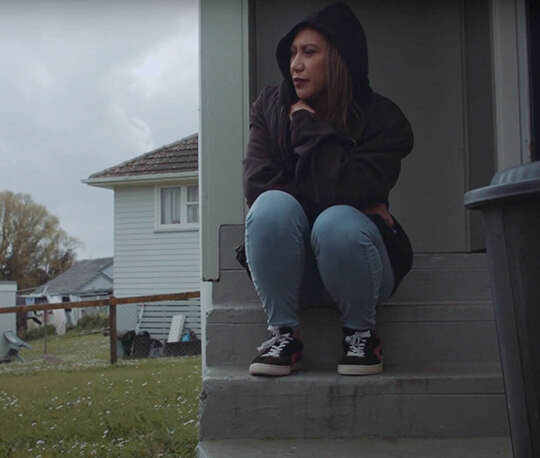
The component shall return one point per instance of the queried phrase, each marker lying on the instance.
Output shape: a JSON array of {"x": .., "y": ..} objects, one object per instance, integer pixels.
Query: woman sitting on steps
[{"x": 324, "y": 152}]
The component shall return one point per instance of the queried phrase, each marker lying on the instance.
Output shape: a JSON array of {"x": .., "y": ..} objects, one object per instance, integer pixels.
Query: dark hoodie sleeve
[
  {"x": 334, "y": 170},
  {"x": 261, "y": 172}
]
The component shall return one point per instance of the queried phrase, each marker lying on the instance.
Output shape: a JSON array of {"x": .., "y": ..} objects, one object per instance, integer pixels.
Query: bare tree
[{"x": 33, "y": 247}]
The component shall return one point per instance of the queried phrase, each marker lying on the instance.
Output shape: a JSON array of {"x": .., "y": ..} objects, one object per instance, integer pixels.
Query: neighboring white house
[
  {"x": 86, "y": 280},
  {"x": 156, "y": 224},
  {"x": 8, "y": 291},
  {"x": 89, "y": 279}
]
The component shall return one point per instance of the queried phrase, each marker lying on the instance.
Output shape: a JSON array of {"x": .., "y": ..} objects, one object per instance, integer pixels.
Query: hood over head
[{"x": 340, "y": 26}]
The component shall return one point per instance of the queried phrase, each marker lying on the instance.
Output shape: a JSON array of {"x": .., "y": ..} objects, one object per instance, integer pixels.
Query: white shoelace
[
  {"x": 276, "y": 344},
  {"x": 357, "y": 343}
]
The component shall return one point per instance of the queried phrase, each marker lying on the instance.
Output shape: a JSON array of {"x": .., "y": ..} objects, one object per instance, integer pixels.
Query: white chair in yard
[{"x": 177, "y": 326}]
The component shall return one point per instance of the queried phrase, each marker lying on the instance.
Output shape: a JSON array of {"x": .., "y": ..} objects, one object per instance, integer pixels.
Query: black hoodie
[{"x": 308, "y": 158}]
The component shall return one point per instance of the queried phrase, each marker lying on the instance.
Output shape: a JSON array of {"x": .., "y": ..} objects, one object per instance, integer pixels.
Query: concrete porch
[
  {"x": 359, "y": 448},
  {"x": 441, "y": 393}
]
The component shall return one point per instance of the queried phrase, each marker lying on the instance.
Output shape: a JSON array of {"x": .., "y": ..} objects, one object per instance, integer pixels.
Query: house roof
[
  {"x": 179, "y": 156},
  {"x": 73, "y": 280}
]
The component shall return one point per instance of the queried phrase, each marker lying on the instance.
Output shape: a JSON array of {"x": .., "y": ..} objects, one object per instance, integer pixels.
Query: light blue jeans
[{"x": 340, "y": 262}]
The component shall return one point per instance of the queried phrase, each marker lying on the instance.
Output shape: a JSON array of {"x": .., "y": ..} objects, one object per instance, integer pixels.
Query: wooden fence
[{"x": 112, "y": 302}]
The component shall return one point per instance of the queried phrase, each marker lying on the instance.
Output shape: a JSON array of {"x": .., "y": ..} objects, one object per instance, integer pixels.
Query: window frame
[{"x": 183, "y": 225}]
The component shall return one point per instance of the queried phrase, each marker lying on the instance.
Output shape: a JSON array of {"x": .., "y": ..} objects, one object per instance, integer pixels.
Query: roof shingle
[{"x": 179, "y": 156}]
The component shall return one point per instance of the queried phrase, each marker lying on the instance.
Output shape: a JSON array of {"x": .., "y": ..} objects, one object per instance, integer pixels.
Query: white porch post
[{"x": 224, "y": 118}]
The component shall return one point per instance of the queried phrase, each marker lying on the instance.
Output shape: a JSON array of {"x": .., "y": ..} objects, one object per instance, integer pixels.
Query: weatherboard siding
[
  {"x": 147, "y": 261},
  {"x": 8, "y": 289}
]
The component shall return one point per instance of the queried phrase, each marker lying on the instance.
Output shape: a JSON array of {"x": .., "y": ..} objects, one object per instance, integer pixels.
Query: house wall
[
  {"x": 109, "y": 271},
  {"x": 101, "y": 282},
  {"x": 147, "y": 261},
  {"x": 8, "y": 290}
]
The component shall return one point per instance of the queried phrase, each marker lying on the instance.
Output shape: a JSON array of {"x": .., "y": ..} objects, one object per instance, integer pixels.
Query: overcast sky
[{"x": 85, "y": 85}]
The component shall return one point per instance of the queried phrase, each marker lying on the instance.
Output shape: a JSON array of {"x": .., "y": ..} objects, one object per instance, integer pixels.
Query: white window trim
[{"x": 182, "y": 227}]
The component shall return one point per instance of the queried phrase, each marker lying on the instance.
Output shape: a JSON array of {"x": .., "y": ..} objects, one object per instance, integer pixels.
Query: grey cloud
[{"x": 72, "y": 104}]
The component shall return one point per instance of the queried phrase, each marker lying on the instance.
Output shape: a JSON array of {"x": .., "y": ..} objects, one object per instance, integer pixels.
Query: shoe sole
[
  {"x": 349, "y": 369},
  {"x": 272, "y": 369}
]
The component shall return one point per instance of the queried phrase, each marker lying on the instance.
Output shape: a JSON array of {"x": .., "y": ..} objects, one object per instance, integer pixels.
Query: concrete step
[
  {"x": 441, "y": 313},
  {"x": 490, "y": 447},
  {"x": 436, "y": 278},
  {"x": 446, "y": 277},
  {"x": 412, "y": 334},
  {"x": 450, "y": 401}
]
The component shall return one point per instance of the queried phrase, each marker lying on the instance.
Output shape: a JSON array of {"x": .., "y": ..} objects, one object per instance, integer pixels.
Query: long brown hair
[{"x": 341, "y": 111}]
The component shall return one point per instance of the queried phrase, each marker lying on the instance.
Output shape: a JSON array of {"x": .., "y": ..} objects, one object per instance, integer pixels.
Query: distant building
[
  {"x": 85, "y": 280},
  {"x": 89, "y": 279}
]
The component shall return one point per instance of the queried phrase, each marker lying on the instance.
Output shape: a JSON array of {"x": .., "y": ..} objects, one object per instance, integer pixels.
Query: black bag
[
  {"x": 398, "y": 247},
  {"x": 142, "y": 343},
  {"x": 241, "y": 258}
]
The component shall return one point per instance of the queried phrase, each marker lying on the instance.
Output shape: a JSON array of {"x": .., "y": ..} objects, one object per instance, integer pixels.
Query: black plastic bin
[{"x": 511, "y": 213}]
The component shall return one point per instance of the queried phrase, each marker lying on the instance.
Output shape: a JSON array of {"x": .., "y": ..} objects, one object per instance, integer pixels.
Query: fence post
[
  {"x": 112, "y": 329},
  {"x": 45, "y": 324}
]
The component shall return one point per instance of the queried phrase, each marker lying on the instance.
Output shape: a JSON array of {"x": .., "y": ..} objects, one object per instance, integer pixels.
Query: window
[
  {"x": 192, "y": 204},
  {"x": 170, "y": 205},
  {"x": 178, "y": 207}
]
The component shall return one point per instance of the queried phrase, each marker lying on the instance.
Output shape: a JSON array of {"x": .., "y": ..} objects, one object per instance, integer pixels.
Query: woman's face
[{"x": 308, "y": 64}]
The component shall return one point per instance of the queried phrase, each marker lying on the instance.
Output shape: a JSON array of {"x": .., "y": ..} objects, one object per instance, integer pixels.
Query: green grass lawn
[{"x": 73, "y": 402}]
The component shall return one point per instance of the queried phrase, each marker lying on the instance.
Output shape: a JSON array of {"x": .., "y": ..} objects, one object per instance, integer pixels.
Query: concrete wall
[{"x": 8, "y": 290}]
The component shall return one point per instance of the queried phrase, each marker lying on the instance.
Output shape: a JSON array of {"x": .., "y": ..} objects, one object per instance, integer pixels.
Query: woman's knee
[
  {"x": 274, "y": 210},
  {"x": 341, "y": 226}
]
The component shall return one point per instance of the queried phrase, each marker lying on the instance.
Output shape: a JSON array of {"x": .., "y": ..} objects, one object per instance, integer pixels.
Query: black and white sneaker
[
  {"x": 362, "y": 353},
  {"x": 278, "y": 356}
]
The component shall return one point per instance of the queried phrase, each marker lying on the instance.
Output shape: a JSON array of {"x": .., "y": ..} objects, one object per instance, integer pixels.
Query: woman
[{"x": 323, "y": 153}]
